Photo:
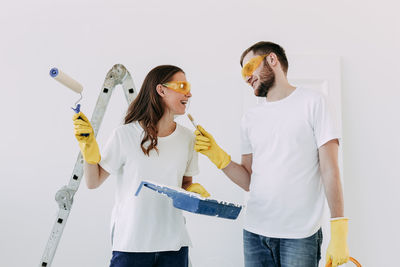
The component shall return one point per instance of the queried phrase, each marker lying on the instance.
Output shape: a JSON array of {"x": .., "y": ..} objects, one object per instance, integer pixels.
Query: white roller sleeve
[{"x": 66, "y": 80}]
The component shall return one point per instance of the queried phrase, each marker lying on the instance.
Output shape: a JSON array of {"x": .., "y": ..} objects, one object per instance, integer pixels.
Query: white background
[{"x": 205, "y": 38}]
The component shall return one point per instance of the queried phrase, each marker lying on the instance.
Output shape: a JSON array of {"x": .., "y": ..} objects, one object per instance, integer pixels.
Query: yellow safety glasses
[
  {"x": 252, "y": 65},
  {"x": 178, "y": 86}
]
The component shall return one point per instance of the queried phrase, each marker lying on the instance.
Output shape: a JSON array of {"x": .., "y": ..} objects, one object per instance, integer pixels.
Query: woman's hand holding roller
[{"x": 85, "y": 135}]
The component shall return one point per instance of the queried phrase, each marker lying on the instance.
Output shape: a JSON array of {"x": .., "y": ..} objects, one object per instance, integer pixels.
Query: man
[{"x": 289, "y": 158}]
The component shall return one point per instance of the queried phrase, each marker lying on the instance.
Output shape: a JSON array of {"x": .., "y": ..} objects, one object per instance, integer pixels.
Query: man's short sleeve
[
  {"x": 112, "y": 155},
  {"x": 244, "y": 138},
  {"x": 325, "y": 128}
]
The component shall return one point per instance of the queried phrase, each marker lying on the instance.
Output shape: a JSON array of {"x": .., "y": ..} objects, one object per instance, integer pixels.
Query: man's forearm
[
  {"x": 329, "y": 167},
  {"x": 334, "y": 192},
  {"x": 238, "y": 174}
]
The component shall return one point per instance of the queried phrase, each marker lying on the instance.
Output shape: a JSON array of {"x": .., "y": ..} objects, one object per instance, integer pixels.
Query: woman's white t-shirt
[
  {"x": 148, "y": 222},
  {"x": 286, "y": 198}
]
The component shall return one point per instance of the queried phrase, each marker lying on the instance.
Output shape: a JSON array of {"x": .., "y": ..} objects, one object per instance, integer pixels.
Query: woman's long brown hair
[{"x": 148, "y": 107}]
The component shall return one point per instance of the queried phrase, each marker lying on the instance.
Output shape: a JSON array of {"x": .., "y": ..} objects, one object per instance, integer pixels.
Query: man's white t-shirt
[
  {"x": 148, "y": 222},
  {"x": 286, "y": 198}
]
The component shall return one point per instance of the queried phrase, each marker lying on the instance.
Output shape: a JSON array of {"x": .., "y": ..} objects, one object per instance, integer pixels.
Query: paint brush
[{"x": 192, "y": 121}]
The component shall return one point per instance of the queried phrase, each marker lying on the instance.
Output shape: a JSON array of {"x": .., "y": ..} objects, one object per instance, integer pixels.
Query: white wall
[{"x": 205, "y": 38}]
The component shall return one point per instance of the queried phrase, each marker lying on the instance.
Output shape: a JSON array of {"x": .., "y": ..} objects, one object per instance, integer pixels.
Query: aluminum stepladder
[{"x": 64, "y": 196}]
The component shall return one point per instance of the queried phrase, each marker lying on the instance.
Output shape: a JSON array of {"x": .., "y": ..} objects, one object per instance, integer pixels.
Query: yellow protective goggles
[
  {"x": 178, "y": 86},
  {"x": 252, "y": 65}
]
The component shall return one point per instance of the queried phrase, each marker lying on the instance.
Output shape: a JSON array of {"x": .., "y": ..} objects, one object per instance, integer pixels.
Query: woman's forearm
[{"x": 95, "y": 175}]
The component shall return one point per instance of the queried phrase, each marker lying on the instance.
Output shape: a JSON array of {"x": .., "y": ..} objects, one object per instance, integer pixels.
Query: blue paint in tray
[{"x": 193, "y": 203}]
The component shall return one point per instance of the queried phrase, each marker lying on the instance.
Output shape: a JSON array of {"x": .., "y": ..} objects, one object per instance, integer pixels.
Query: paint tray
[{"x": 194, "y": 203}]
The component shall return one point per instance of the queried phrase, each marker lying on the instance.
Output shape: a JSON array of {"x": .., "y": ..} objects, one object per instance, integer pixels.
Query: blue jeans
[
  {"x": 151, "y": 259},
  {"x": 262, "y": 251}
]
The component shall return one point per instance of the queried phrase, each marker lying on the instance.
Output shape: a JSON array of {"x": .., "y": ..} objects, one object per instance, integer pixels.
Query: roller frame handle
[{"x": 77, "y": 110}]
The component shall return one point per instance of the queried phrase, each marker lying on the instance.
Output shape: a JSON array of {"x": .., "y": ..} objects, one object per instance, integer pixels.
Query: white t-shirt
[
  {"x": 148, "y": 222},
  {"x": 286, "y": 198}
]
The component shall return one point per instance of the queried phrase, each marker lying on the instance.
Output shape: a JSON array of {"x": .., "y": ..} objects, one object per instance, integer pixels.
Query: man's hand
[
  {"x": 206, "y": 145},
  {"x": 338, "y": 251}
]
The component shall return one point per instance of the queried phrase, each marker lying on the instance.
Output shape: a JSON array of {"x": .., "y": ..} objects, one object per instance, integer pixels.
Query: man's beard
[{"x": 266, "y": 84}]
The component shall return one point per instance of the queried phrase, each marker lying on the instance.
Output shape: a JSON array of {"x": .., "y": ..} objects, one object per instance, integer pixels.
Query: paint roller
[{"x": 67, "y": 81}]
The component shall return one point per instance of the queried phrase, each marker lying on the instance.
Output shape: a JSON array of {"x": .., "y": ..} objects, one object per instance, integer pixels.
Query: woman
[{"x": 146, "y": 230}]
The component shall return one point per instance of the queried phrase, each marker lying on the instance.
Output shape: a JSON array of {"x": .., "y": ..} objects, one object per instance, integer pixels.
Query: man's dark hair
[{"x": 262, "y": 48}]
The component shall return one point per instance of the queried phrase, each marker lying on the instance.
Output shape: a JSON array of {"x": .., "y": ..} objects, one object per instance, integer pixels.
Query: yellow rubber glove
[
  {"x": 87, "y": 144},
  {"x": 206, "y": 145},
  {"x": 338, "y": 251},
  {"x": 199, "y": 189}
]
